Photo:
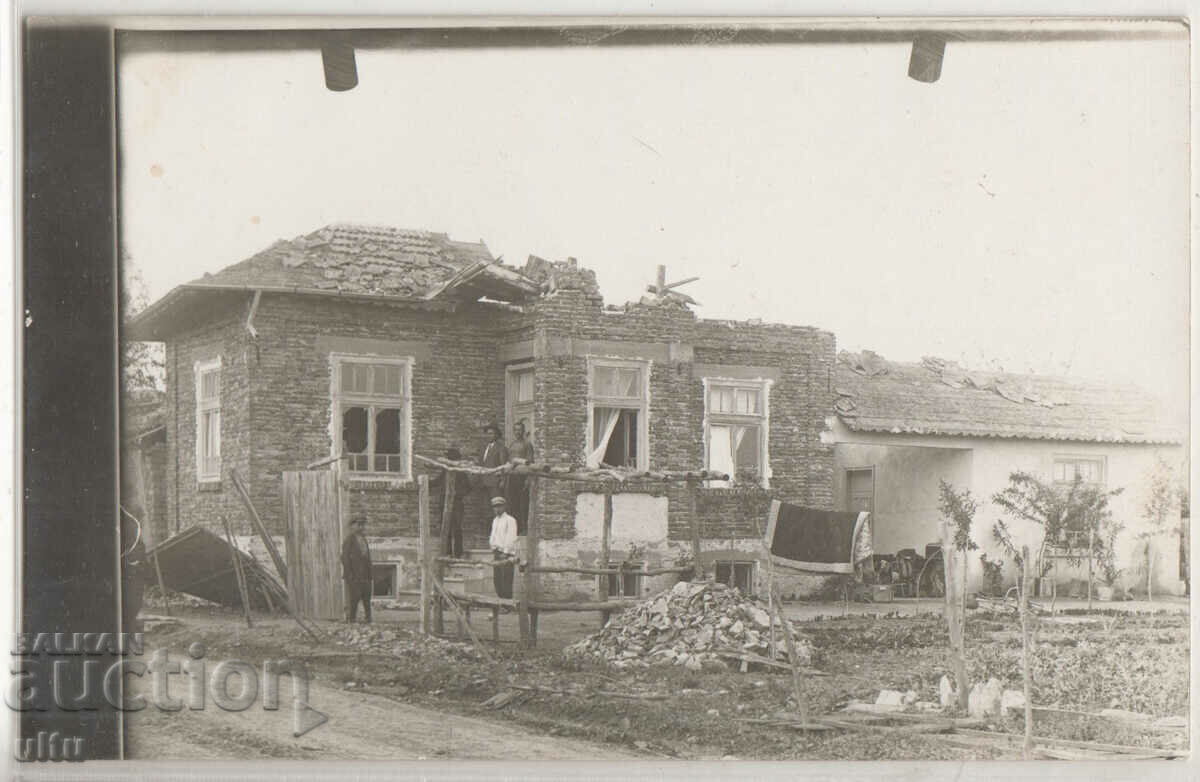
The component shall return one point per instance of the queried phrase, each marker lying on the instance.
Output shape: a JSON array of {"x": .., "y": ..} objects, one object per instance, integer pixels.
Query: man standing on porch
[
  {"x": 521, "y": 450},
  {"x": 356, "y": 569},
  {"x": 494, "y": 455},
  {"x": 504, "y": 545}
]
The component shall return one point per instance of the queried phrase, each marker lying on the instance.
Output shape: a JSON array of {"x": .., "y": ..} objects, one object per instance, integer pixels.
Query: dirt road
[{"x": 361, "y": 726}]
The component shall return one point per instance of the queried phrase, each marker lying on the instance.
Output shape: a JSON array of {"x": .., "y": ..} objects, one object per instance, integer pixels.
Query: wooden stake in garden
[
  {"x": 1026, "y": 675},
  {"x": 955, "y": 616},
  {"x": 958, "y": 513},
  {"x": 778, "y": 618}
]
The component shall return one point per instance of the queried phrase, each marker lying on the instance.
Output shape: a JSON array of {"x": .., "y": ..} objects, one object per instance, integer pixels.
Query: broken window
[
  {"x": 383, "y": 580},
  {"x": 630, "y": 583},
  {"x": 208, "y": 420},
  {"x": 372, "y": 396},
  {"x": 735, "y": 431},
  {"x": 736, "y": 574},
  {"x": 618, "y": 431}
]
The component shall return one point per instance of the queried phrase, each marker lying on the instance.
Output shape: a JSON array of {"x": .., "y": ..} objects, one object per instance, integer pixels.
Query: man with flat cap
[
  {"x": 356, "y": 569},
  {"x": 503, "y": 541}
]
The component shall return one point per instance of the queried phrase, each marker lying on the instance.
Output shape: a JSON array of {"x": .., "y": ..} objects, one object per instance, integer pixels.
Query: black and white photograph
[{"x": 556, "y": 391}]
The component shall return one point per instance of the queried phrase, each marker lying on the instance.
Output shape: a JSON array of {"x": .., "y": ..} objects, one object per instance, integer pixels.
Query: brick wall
[
  {"x": 276, "y": 404},
  {"x": 190, "y": 501},
  {"x": 457, "y": 387},
  {"x": 800, "y": 400}
]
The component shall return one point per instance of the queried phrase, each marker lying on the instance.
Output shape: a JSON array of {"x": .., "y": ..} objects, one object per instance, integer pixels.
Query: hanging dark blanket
[{"x": 822, "y": 541}]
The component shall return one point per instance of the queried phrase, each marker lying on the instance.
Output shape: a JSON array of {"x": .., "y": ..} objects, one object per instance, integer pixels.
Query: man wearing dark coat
[
  {"x": 356, "y": 569},
  {"x": 494, "y": 454}
]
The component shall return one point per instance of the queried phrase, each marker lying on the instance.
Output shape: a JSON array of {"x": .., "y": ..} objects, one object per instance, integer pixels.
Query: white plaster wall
[
  {"x": 1126, "y": 466},
  {"x": 906, "y": 490}
]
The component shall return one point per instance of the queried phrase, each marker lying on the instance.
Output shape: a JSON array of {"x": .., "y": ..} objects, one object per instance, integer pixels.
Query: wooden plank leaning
[{"x": 259, "y": 527}]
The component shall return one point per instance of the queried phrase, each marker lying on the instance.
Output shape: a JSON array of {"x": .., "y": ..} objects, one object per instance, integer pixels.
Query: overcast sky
[{"x": 1030, "y": 209}]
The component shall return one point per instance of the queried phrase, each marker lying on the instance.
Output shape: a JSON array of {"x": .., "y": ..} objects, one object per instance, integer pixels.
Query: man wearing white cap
[{"x": 503, "y": 541}]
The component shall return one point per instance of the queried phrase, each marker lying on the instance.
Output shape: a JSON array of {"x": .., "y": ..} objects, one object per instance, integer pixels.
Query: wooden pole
[
  {"x": 258, "y": 525},
  {"x": 777, "y": 617},
  {"x": 695, "y": 526},
  {"x": 448, "y": 497},
  {"x": 162, "y": 589},
  {"x": 605, "y": 533},
  {"x": 533, "y": 539},
  {"x": 661, "y": 282},
  {"x": 524, "y": 617},
  {"x": 1026, "y": 585},
  {"x": 1091, "y": 547},
  {"x": 237, "y": 570},
  {"x": 954, "y": 615},
  {"x": 425, "y": 552}
]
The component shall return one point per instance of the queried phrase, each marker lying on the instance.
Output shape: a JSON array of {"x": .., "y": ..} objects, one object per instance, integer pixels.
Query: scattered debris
[
  {"x": 1011, "y": 699},
  {"x": 867, "y": 362},
  {"x": 946, "y": 692},
  {"x": 890, "y": 698},
  {"x": 985, "y": 698},
  {"x": 402, "y": 643},
  {"x": 689, "y": 624}
]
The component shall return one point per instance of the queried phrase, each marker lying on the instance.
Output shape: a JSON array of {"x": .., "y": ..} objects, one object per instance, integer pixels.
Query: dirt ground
[{"x": 425, "y": 699}]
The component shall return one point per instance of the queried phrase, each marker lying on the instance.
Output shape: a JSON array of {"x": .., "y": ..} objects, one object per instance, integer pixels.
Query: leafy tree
[
  {"x": 1056, "y": 510},
  {"x": 1160, "y": 500},
  {"x": 142, "y": 365}
]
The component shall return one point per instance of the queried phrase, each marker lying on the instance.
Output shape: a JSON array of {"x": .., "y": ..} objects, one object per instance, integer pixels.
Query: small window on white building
[
  {"x": 371, "y": 406},
  {"x": 735, "y": 430},
  {"x": 208, "y": 420},
  {"x": 618, "y": 426},
  {"x": 1088, "y": 470},
  {"x": 1068, "y": 468}
]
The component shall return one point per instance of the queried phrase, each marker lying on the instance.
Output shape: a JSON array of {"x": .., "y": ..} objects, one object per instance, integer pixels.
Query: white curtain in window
[
  {"x": 608, "y": 423},
  {"x": 736, "y": 435},
  {"x": 720, "y": 451}
]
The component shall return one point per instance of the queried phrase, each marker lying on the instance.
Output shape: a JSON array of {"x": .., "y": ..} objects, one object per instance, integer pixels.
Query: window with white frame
[
  {"x": 1090, "y": 472},
  {"x": 618, "y": 401},
  {"x": 208, "y": 420},
  {"x": 735, "y": 430},
  {"x": 371, "y": 409},
  {"x": 519, "y": 399}
]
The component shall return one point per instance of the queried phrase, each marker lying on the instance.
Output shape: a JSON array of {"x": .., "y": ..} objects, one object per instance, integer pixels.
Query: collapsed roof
[
  {"x": 358, "y": 261},
  {"x": 938, "y": 397}
]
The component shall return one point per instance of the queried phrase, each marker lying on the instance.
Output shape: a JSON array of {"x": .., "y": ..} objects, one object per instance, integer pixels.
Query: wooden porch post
[{"x": 425, "y": 553}]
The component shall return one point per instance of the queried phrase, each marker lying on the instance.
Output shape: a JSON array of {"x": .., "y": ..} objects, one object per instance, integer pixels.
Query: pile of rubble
[
  {"x": 401, "y": 643},
  {"x": 689, "y": 624}
]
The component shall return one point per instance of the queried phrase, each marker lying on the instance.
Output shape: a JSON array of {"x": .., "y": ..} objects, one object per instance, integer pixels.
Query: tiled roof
[
  {"x": 343, "y": 258},
  {"x": 376, "y": 262},
  {"x": 937, "y": 397}
]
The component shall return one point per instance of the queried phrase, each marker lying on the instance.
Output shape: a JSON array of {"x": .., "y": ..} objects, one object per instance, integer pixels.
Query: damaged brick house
[{"x": 377, "y": 344}]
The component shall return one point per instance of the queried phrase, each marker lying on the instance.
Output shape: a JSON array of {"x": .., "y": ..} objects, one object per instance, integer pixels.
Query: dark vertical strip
[{"x": 69, "y": 363}]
